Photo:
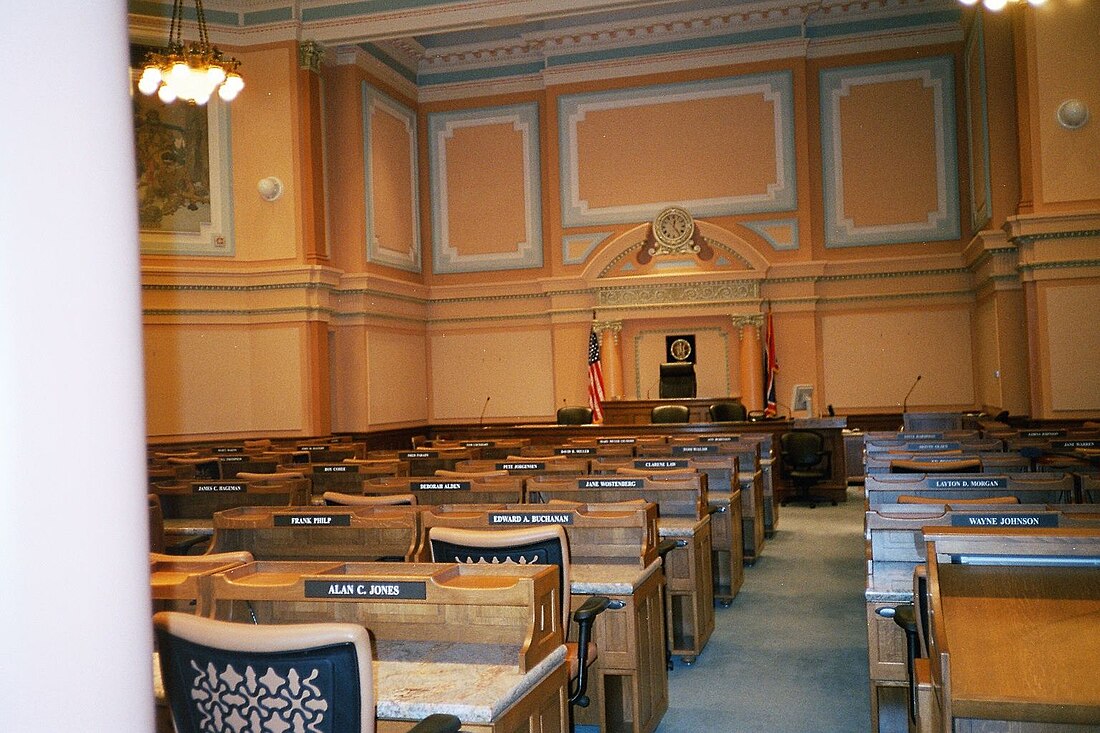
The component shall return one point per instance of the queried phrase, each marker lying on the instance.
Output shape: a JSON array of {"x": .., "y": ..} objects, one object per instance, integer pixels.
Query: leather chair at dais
[
  {"x": 805, "y": 462},
  {"x": 574, "y": 415},
  {"x": 677, "y": 380},
  {"x": 669, "y": 414},
  {"x": 727, "y": 412},
  {"x": 311, "y": 676}
]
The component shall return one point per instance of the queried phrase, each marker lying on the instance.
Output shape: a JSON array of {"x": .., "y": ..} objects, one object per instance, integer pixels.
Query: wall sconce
[
  {"x": 270, "y": 188},
  {"x": 1073, "y": 114}
]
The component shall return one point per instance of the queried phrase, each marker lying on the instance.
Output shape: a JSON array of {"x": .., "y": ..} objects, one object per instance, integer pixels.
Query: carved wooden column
[
  {"x": 752, "y": 361},
  {"x": 611, "y": 359}
]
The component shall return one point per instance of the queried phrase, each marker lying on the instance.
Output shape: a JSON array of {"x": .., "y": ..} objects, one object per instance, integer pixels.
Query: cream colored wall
[
  {"x": 397, "y": 378},
  {"x": 1074, "y": 373}
]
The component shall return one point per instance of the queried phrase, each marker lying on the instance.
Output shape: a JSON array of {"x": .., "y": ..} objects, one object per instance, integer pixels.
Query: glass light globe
[
  {"x": 202, "y": 99},
  {"x": 234, "y": 82},
  {"x": 179, "y": 73},
  {"x": 152, "y": 73},
  {"x": 969, "y": 2},
  {"x": 1036, "y": 2},
  {"x": 167, "y": 94},
  {"x": 215, "y": 75},
  {"x": 148, "y": 85},
  {"x": 227, "y": 93},
  {"x": 996, "y": 4}
]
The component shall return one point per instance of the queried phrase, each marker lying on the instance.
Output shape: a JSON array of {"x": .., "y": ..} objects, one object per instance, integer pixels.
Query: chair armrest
[
  {"x": 184, "y": 546},
  {"x": 585, "y": 616},
  {"x": 437, "y": 723},
  {"x": 591, "y": 608},
  {"x": 666, "y": 546}
]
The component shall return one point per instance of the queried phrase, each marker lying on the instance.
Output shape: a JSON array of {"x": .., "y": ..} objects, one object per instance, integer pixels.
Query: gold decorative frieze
[{"x": 709, "y": 292}]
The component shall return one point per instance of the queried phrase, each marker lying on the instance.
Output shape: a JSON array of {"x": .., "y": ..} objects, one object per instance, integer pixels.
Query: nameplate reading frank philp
[
  {"x": 1071, "y": 444},
  {"x": 540, "y": 466},
  {"x": 530, "y": 518},
  {"x": 616, "y": 441},
  {"x": 388, "y": 590},
  {"x": 1004, "y": 520},
  {"x": 312, "y": 520},
  {"x": 218, "y": 488},
  {"x": 439, "y": 485},
  {"x": 337, "y": 469},
  {"x": 574, "y": 451},
  {"x": 406, "y": 455},
  {"x": 611, "y": 483},
  {"x": 687, "y": 450},
  {"x": 968, "y": 483},
  {"x": 229, "y": 449},
  {"x": 661, "y": 464}
]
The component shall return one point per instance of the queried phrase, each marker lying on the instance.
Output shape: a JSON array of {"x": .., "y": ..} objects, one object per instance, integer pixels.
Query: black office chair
[
  {"x": 727, "y": 412},
  {"x": 574, "y": 415},
  {"x": 311, "y": 676},
  {"x": 542, "y": 545},
  {"x": 806, "y": 462},
  {"x": 669, "y": 414}
]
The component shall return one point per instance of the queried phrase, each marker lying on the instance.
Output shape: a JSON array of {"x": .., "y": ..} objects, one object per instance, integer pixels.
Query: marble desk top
[
  {"x": 890, "y": 582},
  {"x": 414, "y": 679},
  {"x": 619, "y": 580},
  {"x": 680, "y": 526},
  {"x": 189, "y": 527}
]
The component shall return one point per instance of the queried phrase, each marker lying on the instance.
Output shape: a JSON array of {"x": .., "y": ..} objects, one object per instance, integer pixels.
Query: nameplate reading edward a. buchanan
[
  {"x": 522, "y": 518},
  {"x": 379, "y": 590}
]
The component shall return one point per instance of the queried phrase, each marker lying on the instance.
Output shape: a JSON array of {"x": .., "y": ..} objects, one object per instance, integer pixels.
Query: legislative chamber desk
[
  {"x": 1015, "y": 631},
  {"x": 616, "y": 424}
]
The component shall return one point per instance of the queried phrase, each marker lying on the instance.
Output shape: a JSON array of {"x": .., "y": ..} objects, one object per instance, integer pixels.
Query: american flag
[
  {"x": 771, "y": 366},
  {"x": 595, "y": 377}
]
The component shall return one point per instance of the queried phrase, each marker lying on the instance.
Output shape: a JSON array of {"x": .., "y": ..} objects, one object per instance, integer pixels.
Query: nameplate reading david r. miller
[
  {"x": 312, "y": 520},
  {"x": 1004, "y": 520},
  {"x": 520, "y": 518},
  {"x": 383, "y": 590}
]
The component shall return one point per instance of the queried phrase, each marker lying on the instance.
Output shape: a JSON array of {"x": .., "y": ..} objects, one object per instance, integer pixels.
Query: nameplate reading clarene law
[
  {"x": 661, "y": 464},
  {"x": 515, "y": 466},
  {"x": 967, "y": 483},
  {"x": 312, "y": 520},
  {"x": 530, "y": 518},
  {"x": 388, "y": 590},
  {"x": 439, "y": 485},
  {"x": 687, "y": 450},
  {"x": 218, "y": 488},
  {"x": 574, "y": 451},
  {"x": 408, "y": 454},
  {"x": 1004, "y": 520},
  {"x": 611, "y": 483}
]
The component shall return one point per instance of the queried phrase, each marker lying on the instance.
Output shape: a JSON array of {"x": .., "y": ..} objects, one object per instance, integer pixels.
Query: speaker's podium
[{"x": 677, "y": 379}]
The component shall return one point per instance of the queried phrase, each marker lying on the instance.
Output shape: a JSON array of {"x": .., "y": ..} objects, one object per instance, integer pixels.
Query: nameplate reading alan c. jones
[
  {"x": 383, "y": 590},
  {"x": 660, "y": 464},
  {"x": 687, "y": 450},
  {"x": 530, "y": 518},
  {"x": 1004, "y": 520},
  {"x": 611, "y": 483},
  {"x": 218, "y": 488},
  {"x": 312, "y": 520},
  {"x": 968, "y": 483},
  {"x": 439, "y": 485},
  {"x": 540, "y": 466}
]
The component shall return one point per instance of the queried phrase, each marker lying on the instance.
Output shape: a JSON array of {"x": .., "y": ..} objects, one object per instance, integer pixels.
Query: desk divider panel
[
  {"x": 1028, "y": 488},
  {"x": 433, "y": 491}
]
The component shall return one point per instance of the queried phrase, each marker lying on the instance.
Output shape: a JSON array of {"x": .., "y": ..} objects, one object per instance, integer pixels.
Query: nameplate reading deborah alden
[
  {"x": 439, "y": 485},
  {"x": 1004, "y": 520},
  {"x": 218, "y": 488},
  {"x": 312, "y": 520},
  {"x": 530, "y": 518},
  {"x": 379, "y": 590}
]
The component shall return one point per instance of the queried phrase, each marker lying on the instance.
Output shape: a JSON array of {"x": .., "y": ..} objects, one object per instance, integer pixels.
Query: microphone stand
[{"x": 481, "y": 418}]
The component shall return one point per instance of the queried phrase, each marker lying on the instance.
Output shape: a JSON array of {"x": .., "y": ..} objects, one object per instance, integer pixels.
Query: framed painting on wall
[{"x": 184, "y": 193}]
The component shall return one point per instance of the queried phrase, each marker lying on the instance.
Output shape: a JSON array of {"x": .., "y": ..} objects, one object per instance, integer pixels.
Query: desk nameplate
[
  {"x": 312, "y": 520},
  {"x": 440, "y": 485},
  {"x": 367, "y": 589},
  {"x": 527, "y": 518}
]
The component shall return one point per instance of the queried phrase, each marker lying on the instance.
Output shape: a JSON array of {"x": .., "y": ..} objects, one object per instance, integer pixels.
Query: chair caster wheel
[
  {"x": 725, "y": 604},
  {"x": 688, "y": 660}
]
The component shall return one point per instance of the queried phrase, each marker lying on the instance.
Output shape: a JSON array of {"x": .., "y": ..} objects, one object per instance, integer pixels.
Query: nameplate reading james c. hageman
[
  {"x": 382, "y": 590},
  {"x": 574, "y": 451},
  {"x": 439, "y": 485},
  {"x": 968, "y": 483},
  {"x": 687, "y": 450},
  {"x": 611, "y": 483},
  {"x": 406, "y": 455},
  {"x": 337, "y": 469},
  {"x": 312, "y": 520},
  {"x": 530, "y": 518},
  {"x": 218, "y": 488},
  {"x": 1004, "y": 520},
  {"x": 661, "y": 464},
  {"x": 525, "y": 466}
]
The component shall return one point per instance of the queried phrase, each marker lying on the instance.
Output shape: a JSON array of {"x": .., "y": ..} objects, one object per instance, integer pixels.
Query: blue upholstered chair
[{"x": 222, "y": 677}]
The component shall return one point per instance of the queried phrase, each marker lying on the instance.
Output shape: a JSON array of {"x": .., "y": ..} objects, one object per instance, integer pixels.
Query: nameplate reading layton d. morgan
[
  {"x": 382, "y": 590},
  {"x": 530, "y": 518},
  {"x": 439, "y": 485},
  {"x": 968, "y": 483},
  {"x": 1004, "y": 520},
  {"x": 312, "y": 520},
  {"x": 218, "y": 488}
]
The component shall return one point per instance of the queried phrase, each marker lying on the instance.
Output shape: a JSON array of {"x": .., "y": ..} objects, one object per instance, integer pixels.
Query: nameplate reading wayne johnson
[
  {"x": 1004, "y": 520},
  {"x": 387, "y": 590}
]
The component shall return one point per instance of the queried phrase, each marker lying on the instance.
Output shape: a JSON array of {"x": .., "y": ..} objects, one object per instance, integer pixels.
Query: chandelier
[
  {"x": 1001, "y": 4},
  {"x": 191, "y": 72}
]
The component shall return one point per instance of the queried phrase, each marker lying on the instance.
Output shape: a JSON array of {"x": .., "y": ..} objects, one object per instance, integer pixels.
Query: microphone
[
  {"x": 905, "y": 402},
  {"x": 832, "y": 412},
  {"x": 650, "y": 389},
  {"x": 481, "y": 418}
]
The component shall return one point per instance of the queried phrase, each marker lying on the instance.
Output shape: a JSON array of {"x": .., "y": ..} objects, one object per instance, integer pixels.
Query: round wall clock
[{"x": 673, "y": 226}]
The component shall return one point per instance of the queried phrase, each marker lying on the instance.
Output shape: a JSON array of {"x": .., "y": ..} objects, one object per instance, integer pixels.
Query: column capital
[
  {"x": 309, "y": 56},
  {"x": 612, "y": 326},
  {"x": 752, "y": 319}
]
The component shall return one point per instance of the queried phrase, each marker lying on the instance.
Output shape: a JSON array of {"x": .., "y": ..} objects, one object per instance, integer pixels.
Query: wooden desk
[
  {"x": 637, "y": 412},
  {"x": 1013, "y": 645}
]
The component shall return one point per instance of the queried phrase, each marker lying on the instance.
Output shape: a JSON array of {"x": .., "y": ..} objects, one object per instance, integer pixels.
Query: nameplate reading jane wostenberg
[
  {"x": 687, "y": 450},
  {"x": 530, "y": 518},
  {"x": 967, "y": 483},
  {"x": 218, "y": 488},
  {"x": 439, "y": 485},
  {"x": 406, "y": 455},
  {"x": 611, "y": 483},
  {"x": 574, "y": 451},
  {"x": 388, "y": 590},
  {"x": 312, "y": 520},
  {"x": 660, "y": 464},
  {"x": 532, "y": 466},
  {"x": 337, "y": 469},
  {"x": 1004, "y": 520}
]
